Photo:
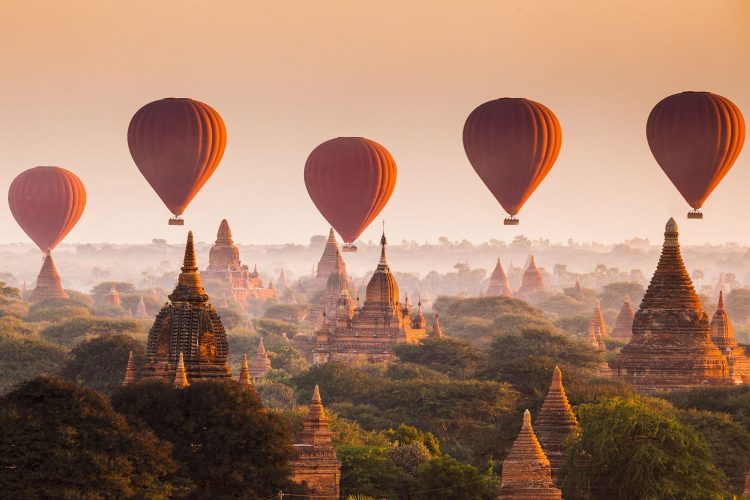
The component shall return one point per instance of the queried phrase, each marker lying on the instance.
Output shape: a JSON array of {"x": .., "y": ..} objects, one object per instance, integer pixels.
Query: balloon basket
[
  {"x": 176, "y": 221},
  {"x": 511, "y": 221},
  {"x": 695, "y": 214},
  {"x": 349, "y": 247}
]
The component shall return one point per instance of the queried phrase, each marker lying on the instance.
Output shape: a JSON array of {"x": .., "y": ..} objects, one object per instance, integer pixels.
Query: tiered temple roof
[
  {"x": 326, "y": 265},
  {"x": 499, "y": 284},
  {"x": 261, "y": 364},
  {"x": 532, "y": 281},
  {"x": 187, "y": 327},
  {"x": 624, "y": 323},
  {"x": 336, "y": 295},
  {"x": 555, "y": 423},
  {"x": 48, "y": 284},
  {"x": 597, "y": 331},
  {"x": 113, "y": 297},
  {"x": 526, "y": 469},
  {"x": 671, "y": 346},
  {"x": 722, "y": 335}
]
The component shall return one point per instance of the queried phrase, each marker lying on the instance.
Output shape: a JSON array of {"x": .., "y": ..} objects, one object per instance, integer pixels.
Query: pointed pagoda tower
[
  {"x": 261, "y": 364},
  {"x": 48, "y": 285},
  {"x": 336, "y": 283},
  {"x": 436, "y": 332},
  {"x": 597, "y": 326},
  {"x": 113, "y": 297},
  {"x": 282, "y": 283},
  {"x": 140, "y": 311},
  {"x": 245, "y": 382},
  {"x": 578, "y": 291},
  {"x": 187, "y": 325},
  {"x": 722, "y": 335},
  {"x": 624, "y": 323},
  {"x": 499, "y": 284},
  {"x": 180, "y": 377},
  {"x": 555, "y": 423},
  {"x": 130, "y": 376},
  {"x": 326, "y": 265},
  {"x": 531, "y": 282},
  {"x": 671, "y": 346},
  {"x": 526, "y": 469},
  {"x": 317, "y": 468}
]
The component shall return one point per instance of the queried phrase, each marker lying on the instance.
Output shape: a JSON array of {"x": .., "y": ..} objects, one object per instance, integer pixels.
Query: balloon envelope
[
  {"x": 177, "y": 144},
  {"x": 695, "y": 137},
  {"x": 350, "y": 179},
  {"x": 512, "y": 144},
  {"x": 47, "y": 203}
]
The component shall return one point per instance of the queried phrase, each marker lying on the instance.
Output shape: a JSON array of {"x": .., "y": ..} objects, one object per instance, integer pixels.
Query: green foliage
[
  {"x": 628, "y": 449},
  {"x": 407, "y": 434},
  {"x": 577, "y": 325},
  {"x": 448, "y": 479},
  {"x": 453, "y": 357},
  {"x": 274, "y": 326},
  {"x": 72, "y": 331},
  {"x": 732, "y": 400},
  {"x": 337, "y": 381},
  {"x": 276, "y": 395},
  {"x": 613, "y": 294},
  {"x": 290, "y": 313},
  {"x": 22, "y": 358},
  {"x": 563, "y": 305},
  {"x": 738, "y": 304},
  {"x": 101, "y": 291},
  {"x": 8, "y": 294},
  {"x": 63, "y": 441},
  {"x": 225, "y": 444},
  {"x": 11, "y": 325},
  {"x": 230, "y": 318},
  {"x": 367, "y": 470},
  {"x": 58, "y": 314},
  {"x": 484, "y": 307},
  {"x": 100, "y": 362},
  {"x": 287, "y": 358}
]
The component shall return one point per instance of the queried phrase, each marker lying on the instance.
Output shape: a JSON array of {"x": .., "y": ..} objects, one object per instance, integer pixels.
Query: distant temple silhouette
[{"x": 48, "y": 285}]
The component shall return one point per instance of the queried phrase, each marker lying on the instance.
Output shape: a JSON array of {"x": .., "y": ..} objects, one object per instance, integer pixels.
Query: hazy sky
[{"x": 288, "y": 75}]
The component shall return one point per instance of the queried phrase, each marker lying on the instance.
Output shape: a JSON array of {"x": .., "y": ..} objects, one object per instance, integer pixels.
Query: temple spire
[
  {"x": 624, "y": 322},
  {"x": 261, "y": 364},
  {"x": 245, "y": 382},
  {"x": 437, "y": 332},
  {"x": 180, "y": 377},
  {"x": 383, "y": 243},
  {"x": 224, "y": 235},
  {"x": 130, "y": 376},
  {"x": 48, "y": 285},
  {"x": 315, "y": 430}
]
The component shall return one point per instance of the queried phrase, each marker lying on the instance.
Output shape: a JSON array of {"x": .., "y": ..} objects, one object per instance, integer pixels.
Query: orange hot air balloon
[
  {"x": 177, "y": 144},
  {"x": 350, "y": 179},
  {"x": 695, "y": 137},
  {"x": 512, "y": 145},
  {"x": 47, "y": 202}
]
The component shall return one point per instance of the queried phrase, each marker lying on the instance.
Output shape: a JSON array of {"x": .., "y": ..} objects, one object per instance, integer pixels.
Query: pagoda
[
  {"x": 555, "y": 423},
  {"x": 261, "y": 364},
  {"x": 372, "y": 330},
  {"x": 245, "y": 381},
  {"x": 531, "y": 282},
  {"x": 48, "y": 285},
  {"x": 722, "y": 335},
  {"x": 140, "y": 310},
  {"x": 597, "y": 327},
  {"x": 671, "y": 346},
  {"x": 578, "y": 291},
  {"x": 316, "y": 467},
  {"x": 282, "y": 283},
  {"x": 326, "y": 265},
  {"x": 113, "y": 297},
  {"x": 336, "y": 289},
  {"x": 187, "y": 330},
  {"x": 624, "y": 323},
  {"x": 224, "y": 265},
  {"x": 436, "y": 332},
  {"x": 526, "y": 469},
  {"x": 499, "y": 284}
]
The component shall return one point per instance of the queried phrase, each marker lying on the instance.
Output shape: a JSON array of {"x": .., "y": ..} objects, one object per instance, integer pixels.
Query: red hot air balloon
[
  {"x": 695, "y": 137},
  {"x": 512, "y": 145},
  {"x": 177, "y": 144},
  {"x": 47, "y": 202},
  {"x": 350, "y": 179}
]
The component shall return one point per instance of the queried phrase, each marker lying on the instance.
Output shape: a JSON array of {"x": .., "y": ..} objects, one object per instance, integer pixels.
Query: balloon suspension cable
[
  {"x": 695, "y": 214},
  {"x": 350, "y": 247},
  {"x": 176, "y": 221},
  {"x": 511, "y": 221}
]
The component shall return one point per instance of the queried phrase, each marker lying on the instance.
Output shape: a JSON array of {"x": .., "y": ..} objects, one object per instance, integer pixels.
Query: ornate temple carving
[{"x": 48, "y": 284}]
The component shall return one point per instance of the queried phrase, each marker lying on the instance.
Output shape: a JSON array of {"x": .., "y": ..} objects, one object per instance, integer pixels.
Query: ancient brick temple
[
  {"x": 436, "y": 332},
  {"x": 326, "y": 265},
  {"x": 671, "y": 346},
  {"x": 526, "y": 469},
  {"x": 140, "y": 311},
  {"x": 499, "y": 284},
  {"x": 316, "y": 467},
  {"x": 372, "y": 330},
  {"x": 722, "y": 335},
  {"x": 597, "y": 331},
  {"x": 261, "y": 364},
  {"x": 187, "y": 327},
  {"x": 336, "y": 291},
  {"x": 555, "y": 423},
  {"x": 624, "y": 323},
  {"x": 578, "y": 291},
  {"x": 113, "y": 297},
  {"x": 48, "y": 284},
  {"x": 531, "y": 282},
  {"x": 224, "y": 265}
]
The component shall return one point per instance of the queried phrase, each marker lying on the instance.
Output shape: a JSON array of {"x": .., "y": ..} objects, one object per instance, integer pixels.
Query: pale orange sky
[{"x": 287, "y": 75}]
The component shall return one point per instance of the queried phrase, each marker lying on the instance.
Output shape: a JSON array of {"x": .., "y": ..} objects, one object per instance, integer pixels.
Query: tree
[
  {"x": 628, "y": 449},
  {"x": 287, "y": 358},
  {"x": 72, "y": 331},
  {"x": 407, "y": 434},
  {"x": 367, "y": 470},
  {"x": 448, "y": 479},
  {"x": 613, "y": 294},
  {"x": 454, "y": 357},
  {"x": 101, "y": 291},
  {"x": 22, "y": 358},
  {"x": 8, "y": 294},
  {"x": 100, "y": 362},
  {"x": 738, "y": 304},
  {"x": 59, "y": 440},
  {"x": 291, "y": 313},
  {"x": 225, "y": 443}
]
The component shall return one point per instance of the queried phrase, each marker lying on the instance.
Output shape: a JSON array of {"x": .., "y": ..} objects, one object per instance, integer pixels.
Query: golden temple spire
[
  {"x": 180, "y": 377},
  {"x": 245, "y": 382}
]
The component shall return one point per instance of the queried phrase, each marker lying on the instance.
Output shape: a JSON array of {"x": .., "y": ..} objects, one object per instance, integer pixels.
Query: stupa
[
  {"x": 140, "y": 311},
  {"x": 326, "y": 265},
  {"x": 436, "y": 332},
  {"x": 373, "y": 329},
  {"x": 48, "y": 284},
  {"x": 597, "y": 327},
  {"x": 130, "y": 375},
  {"x": 261, "y": 364},
  {"x": 722, "y": 335},
  {"x": 316, "y": 467},
  {"x": 555, "y": 423},
  {"x": 671, "y": 346},
  {"x": 187, "y": 329},
  {"x": 336, "y": 284},
  {"x": 526, "y": 469},
  {"x": 499, "y": 284},
  {"x": 578, "y": 291},
  {"x": 245, "y": 381},
  {"x": 624, "y": 323},
  {"x": 531, "y": 282},
  {"x": 113, "y": 297},
  {"x": 180, "y": 375},
  {"x": 282, "y": 283}
]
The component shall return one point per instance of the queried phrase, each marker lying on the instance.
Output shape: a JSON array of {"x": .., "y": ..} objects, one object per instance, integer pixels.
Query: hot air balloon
[
  {"x": 177, "y": 144},
  {"x": 695, "y": 137},
  {"x": 512, "y": 145},
  {"x": 350, "y": 179},
  {"x": 47, "y": 202}
]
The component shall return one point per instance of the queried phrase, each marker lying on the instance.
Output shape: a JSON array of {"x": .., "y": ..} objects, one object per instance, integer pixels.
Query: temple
[
  {"x": 187, "y": 330},
  {"x": 499, "y": 284},
  {"x": 48, "y": 285},
  {"x": 372, "y": 330},
  {"x": 578, "y": 291},
  {"x": 245, "y": 382},
  {"x": 722, "y": 335},
  {"x": 531, "y": 282},
  {"x": 336, "y": 293},
  {"x": 326, "y": 265},
  {"x": 140, "y": 310},
  {"x": 436, "y": 332},
  {"x": 130, "y": 375},
  {"x": 671, "y": 346},
  {"x": 624, "y": 323},
  {"x": 526, "y": 469},
  {"x": 113, "y": 297},
  {"x": 555, "y": 423},
  {"x": 597, "y": 331},
  {"x": 316, "y": 467},
  {"x": 224, "y": 266},
  {"x": 261, "y": 364}
]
